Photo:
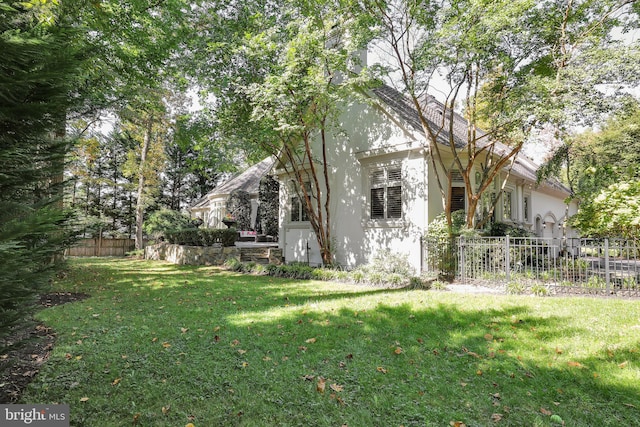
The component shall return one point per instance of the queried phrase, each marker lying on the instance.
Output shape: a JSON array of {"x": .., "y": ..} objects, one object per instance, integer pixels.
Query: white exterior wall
[{"x": 368, "y": 139}]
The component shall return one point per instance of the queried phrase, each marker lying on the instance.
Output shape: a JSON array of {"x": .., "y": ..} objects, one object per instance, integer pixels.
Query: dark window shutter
[
  {"x": 394, "y": 202},
  {"x": 377, "y": 203}
]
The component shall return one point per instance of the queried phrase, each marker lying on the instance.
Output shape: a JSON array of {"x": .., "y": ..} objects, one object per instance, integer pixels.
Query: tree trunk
[{"x": 141, "y": 181}]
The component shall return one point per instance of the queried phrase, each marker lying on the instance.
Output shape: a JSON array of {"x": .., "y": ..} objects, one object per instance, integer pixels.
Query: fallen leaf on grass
[
  {"x": 398, "y": 350},
  {"x": 623, "y": 364},
  {"x": 84, "y": 399},
  {"x": 165, "y": 409},
  {"x": 457, "y": 424},
  {"x": 488, "y": 337},
  {"x": 184, "y": 330},
  {"x": 310, "y": 340},
  {"x": 545, "y": 411},
  {"x": 381, "y": 369},
  {"x": 166, "y": 344},
  {"x": 573, "y": 364},
  {"x": 320, "y": 385},
  {"x": 116, "y": 381},
  {"x": 336, "y": 387},
  {"x": 496, "y": 417}
]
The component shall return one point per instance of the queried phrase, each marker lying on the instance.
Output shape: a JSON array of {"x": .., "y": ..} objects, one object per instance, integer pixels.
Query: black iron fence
[{"x": 539, "y": 265}]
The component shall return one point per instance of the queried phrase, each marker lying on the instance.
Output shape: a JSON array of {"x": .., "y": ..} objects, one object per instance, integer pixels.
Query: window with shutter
[
  {"x": 458, "y": 201},
  {"x": 386, "y": 193}
]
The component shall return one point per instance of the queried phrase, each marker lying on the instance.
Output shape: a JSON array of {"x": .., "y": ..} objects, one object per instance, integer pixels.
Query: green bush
[
  {"x": 165, "y": 221},
  {"x": 202, "y": 237},
  {"x": 539, "y": 290},
  {"x": 516, "y": 288},
  {"x": 501, "y": 229}
]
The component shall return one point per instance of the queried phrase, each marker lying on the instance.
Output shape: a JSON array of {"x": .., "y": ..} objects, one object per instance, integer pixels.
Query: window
[
  {"x": 298, "y": 209},
  {"x": 386, "y": 193},
  {"x": 525, "y": 203},
  {"x": 458, "y": 201},
  {"x": 506, "y": 205}
]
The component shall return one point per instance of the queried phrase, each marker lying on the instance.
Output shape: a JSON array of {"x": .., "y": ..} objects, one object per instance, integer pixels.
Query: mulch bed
[{"x": 27, "y": 347}]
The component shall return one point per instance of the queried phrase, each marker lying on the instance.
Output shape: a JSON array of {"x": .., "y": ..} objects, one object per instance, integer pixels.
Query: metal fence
[{"x": 540, "y": 265}]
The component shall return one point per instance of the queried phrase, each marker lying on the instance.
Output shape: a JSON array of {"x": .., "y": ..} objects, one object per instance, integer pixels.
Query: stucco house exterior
[
  {"x": 384, "y": 192},
  {"x": 213, "y": 206}
]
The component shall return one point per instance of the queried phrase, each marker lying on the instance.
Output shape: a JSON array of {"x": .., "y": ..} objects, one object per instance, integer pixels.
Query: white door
[{"x": 301, "y": 246}]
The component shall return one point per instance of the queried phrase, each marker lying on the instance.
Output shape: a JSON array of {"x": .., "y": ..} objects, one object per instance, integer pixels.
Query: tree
[
  {"x": 39, "y": 61},
  {"x": 147, "y": 127},
  {"x": 268, "y": 206},
  {"x": 239, "y": 207},
  {"x": 292, "y": 83},
  {"x": 504, "y": 63},
  {"x": 604, "y": 173},
  {"x": 614, "y": 212}
]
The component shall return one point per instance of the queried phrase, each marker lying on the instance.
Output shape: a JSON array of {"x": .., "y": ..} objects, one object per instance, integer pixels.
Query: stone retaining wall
[{"x": 205, "y": 255}]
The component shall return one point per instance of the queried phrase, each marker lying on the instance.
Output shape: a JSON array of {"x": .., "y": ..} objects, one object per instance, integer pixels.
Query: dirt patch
[{"x": 27, "y": 347}]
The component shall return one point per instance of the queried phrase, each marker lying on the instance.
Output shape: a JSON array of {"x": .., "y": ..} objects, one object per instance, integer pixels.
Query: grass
[{"x": 165, "y": 345}]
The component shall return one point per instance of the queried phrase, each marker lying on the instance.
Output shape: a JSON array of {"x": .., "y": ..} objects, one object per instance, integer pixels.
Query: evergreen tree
[{"x": 36, "y": 68}]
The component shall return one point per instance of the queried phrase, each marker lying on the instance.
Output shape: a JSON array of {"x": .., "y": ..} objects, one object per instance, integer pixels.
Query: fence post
[
  {"x": 461, "y": 269},
  {"x": 507, "y": 258},
  {"x": 606, "y": 265}
]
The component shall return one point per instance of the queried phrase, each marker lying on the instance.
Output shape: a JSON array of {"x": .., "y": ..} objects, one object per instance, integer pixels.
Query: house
[
  {"x": 212, "y": 207},
  {"x": 384, "y": 191}
]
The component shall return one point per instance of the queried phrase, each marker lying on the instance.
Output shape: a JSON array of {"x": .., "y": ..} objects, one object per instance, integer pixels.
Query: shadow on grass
[{"x": 250, "y": 350}]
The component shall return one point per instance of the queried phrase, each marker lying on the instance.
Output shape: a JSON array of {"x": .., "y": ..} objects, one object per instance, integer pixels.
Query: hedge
[{"x": 202, "y": 237}]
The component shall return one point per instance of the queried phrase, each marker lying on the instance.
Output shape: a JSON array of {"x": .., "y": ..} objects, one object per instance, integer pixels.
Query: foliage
[
  {"x": 440, "y": 246},
  {"x": 268, "y": 206},
  {"x": 163, "y": 221},
  {"x": 239, "y": 207},
  {"x": 202, "y": 236},
  {"x": 511, "y": 66},
  {"x": 516, "y": 287},
  {"x": 499, "y": 229},
  {"x": 614, "y": 212},
  {"x": 285, "y": 99},
  {"x": 38, "y": 64},
  {"x": 605, "y": 177}
]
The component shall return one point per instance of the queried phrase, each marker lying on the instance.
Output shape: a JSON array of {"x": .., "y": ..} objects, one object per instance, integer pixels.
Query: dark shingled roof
[
  {"x": 248, "y": 181},
  {"x": 434, "y": 110}
]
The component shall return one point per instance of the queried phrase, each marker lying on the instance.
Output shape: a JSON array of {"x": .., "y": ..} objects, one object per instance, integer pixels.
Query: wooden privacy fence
[{"x": 101, "y": 247}]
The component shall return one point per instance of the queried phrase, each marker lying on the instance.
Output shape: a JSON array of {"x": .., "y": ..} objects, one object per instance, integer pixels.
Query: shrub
[
  {"x": 164, "y": 221},
  {"x": 233, "y": 264},
  {"x": 420, "y": 282},
  {"x": 438, "y": 285},
  {"x": 202, "y": 237},
  {"x": 516, "y": 288},
  {"x": 539, "y": 290},
  {"x": 269, "y": 205},
  {"x": 500, "y": 229},
  {"x": 239, "y": 206}
]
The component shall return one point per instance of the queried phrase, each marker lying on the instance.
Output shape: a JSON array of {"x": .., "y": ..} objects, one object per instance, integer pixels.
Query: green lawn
[{"x": 165, "y": 345}]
